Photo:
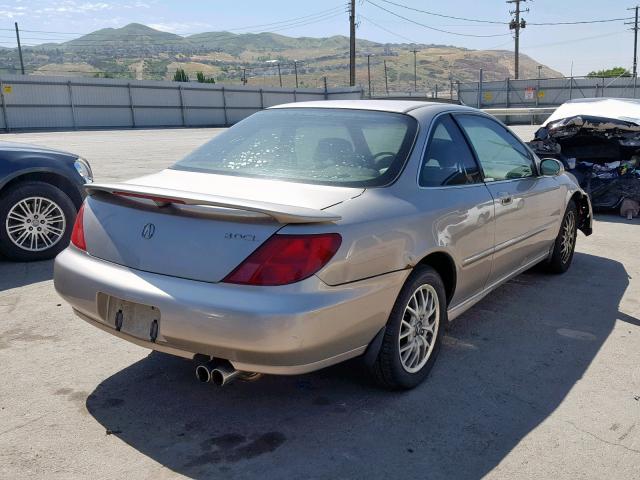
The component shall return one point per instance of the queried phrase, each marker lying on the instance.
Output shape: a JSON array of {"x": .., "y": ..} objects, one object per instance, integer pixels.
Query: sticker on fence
[
  {"x": 529, "y": 93},
  {"x": 7, "y": 89},
  {"x": 488, "y": 97}
]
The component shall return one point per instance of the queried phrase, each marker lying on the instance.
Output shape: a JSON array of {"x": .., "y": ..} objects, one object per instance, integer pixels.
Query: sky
[{"x": 576, "y": 49}]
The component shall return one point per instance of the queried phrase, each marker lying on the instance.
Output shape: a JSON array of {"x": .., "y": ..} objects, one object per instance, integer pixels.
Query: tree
[
  {"x": 611, "y": 72},
  {"x": 180, "y": 76},
  {"x": 202, "y": 79}
]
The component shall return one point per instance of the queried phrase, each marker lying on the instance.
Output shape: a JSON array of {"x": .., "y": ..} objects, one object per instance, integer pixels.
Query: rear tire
[
  {"x": 412, "y": 338},
  {"x": 565, "y": 243},
  {"x": 36, "y": 219}
]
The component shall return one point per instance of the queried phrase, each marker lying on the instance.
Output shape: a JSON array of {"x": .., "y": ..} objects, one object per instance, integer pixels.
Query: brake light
[
  {"x": 77, "y": 235},
  {"x": 285, "y": 259}
]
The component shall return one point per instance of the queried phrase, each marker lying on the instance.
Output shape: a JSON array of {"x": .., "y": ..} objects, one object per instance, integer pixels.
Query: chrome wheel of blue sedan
[
  {"x": 35, "y": 221},
  {"x": 35, "y": 224}
]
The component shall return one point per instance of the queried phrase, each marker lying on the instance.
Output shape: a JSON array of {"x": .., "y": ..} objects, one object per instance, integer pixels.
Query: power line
[
  {"x": 444, "y": 15},
  {"x": 321, "y": 12},
  {"x": 580, "y": 22},
  {"x": 434, "y": 28},
  {"x": 110, "y": 42},
  {"x": 575, "y": 40},
  {"x": 334, "y": 9},
  {"x": 388, "y": 31}
]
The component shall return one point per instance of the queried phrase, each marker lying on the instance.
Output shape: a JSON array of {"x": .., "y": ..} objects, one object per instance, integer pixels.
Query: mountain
[
  {"x": 134, "y": 32},
  {"x": 139, "y": 51},
  {"x": 235, "y": 44}
]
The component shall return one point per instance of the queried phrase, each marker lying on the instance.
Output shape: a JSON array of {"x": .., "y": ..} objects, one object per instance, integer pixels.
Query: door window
[
  {"x": 448, "y": 160},
  {"x": 501, "y": 155}
]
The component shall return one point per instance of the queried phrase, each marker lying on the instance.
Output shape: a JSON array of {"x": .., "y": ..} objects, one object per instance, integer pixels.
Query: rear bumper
[{"x": 290, "y": 329}]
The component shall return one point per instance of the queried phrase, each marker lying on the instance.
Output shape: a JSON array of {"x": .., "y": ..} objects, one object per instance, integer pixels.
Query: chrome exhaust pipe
[
  {"x": 203, "y": 373},
  {"x": 224, "y": 374}
]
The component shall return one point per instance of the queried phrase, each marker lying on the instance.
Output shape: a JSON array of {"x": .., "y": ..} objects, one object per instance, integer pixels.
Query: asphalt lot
[{"x": 539, "y": 380}]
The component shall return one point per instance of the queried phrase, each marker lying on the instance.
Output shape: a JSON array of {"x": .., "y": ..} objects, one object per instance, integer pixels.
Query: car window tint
[
  {"x": 501, "y": 155},
  {"x": 310, "y": 145},
  {"x": 448, "y": 160}
]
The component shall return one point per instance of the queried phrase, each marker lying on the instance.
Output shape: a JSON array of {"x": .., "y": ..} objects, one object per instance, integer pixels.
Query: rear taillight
[
  {"x": 77, "y": 235},
  {"x": 286, "y": 259}
]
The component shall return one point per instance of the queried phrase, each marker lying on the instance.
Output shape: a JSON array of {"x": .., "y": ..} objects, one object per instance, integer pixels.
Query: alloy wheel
[
  {"x": 419, "y": 328},
  {"x": 35, "y": 224},
  {"x": 568, "y": 236}
]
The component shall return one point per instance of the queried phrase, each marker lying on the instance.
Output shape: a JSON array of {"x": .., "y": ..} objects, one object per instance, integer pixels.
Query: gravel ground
[{"x": 539, "y": 380}]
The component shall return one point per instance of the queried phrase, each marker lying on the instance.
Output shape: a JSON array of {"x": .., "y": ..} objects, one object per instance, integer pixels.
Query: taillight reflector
[
  {"x": 77, "y": 235},
  {"x": 285, "y": 259}
]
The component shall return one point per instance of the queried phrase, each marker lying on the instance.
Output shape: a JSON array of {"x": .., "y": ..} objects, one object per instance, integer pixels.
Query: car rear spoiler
[{"x": 164, "y": 197}]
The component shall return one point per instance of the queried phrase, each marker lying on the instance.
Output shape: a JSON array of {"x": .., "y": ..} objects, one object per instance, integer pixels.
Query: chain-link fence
[{"x": 544, "y": 92}]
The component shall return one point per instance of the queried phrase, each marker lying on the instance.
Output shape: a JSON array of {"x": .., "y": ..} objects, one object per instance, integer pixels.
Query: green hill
[{"x": 141, "y": 52}]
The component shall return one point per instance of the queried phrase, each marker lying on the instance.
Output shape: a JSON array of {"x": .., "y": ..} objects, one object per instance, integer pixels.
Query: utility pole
[
  {"x": 517, "y": 24},
  {"x": 450, "y": 86},
  {"x": 415, "y": 70},
  {"x": 279, "y": 74},
  {"x": 295, "y": 69},
  {"x": 386, "y": 81},
  {"x": 635, "y": 41},
  {"x": 352, "y": 44},
  {"x": 369, "y": 72},
  {"x": 538, "y": 87},
  {"x": 19, "y": 49}
]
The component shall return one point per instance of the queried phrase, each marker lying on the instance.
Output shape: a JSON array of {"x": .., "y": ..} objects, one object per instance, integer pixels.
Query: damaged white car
[{"x": 598, "y": 140}]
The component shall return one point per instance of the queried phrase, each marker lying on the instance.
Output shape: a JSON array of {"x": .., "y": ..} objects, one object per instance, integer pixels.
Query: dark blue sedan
[{"x": 40, "y": 192}]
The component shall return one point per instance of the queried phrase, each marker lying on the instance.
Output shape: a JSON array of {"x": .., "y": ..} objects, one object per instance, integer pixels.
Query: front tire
[
  {"x": 565, "y": 243},
  {"x": 36, "y": 219},
  {"x": 412, "y": 338}
]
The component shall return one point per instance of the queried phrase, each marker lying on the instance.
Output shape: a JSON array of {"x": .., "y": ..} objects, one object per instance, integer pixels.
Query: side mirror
[{"x": 550, "y": 167}]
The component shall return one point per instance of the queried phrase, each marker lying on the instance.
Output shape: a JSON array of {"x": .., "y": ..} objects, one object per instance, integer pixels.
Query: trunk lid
[{"x": 198, "y": 226}]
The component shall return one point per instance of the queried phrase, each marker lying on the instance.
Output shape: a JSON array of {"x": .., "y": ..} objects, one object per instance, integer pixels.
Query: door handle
[{"x": 505, "y": 198}]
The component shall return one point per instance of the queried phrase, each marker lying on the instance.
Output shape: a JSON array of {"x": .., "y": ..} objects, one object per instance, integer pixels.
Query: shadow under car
[{"x": 505, "y": 366}]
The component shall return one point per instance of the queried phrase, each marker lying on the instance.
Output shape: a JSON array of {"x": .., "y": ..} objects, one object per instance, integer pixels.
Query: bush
[
  {"x": 180, "y": 76},
  {"x": 202, "y": 79}
]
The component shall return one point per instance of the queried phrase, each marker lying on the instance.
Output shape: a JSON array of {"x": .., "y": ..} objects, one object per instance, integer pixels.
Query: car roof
[{"x": 395, "y": 106}]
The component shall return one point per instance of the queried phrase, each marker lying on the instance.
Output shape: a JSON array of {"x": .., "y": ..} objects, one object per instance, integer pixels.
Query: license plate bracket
[{"x": 135, "y": 319}]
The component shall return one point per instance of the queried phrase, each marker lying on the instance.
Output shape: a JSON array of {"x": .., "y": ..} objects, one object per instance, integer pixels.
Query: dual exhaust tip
[{"x": 219, "y": 374}]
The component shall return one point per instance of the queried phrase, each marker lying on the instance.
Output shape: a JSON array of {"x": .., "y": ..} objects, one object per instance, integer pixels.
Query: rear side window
[
  {"x": 501, "y": 155},
  {"x": 448, "y": 160},
  {"x": 310, "y": 145}
]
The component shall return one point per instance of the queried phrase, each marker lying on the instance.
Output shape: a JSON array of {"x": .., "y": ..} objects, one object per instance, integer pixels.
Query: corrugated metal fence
[
  {"x": 32, "y": 102},
  {"x": 545, "y": 92}
]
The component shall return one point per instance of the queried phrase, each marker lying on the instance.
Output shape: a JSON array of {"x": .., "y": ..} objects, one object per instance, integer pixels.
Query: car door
[
  {"x": 526, "y": 207},
  {"x": 451, "y": 188}
]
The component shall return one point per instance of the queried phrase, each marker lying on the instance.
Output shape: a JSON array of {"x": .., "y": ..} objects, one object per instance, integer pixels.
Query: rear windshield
[{"x": 353, "y": 148}]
